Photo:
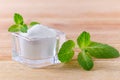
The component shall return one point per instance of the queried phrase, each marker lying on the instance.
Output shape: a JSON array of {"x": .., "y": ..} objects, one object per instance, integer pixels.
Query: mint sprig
[
  {"x": 85, "y": 60},
  {"x": 83, "y": 40},
  {"x": 14, "y": 28},
  {"x": 66, "y": 52},
  {"x": 89, "y": 49},
  {"x": 18, "y": 19},
  {"x": 33, "y": 23},
  {"x": 19, "y": 25},
  {"x": 99, "y": 50}
]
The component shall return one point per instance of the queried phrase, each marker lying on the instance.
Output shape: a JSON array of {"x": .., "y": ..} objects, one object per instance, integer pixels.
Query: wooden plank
[
  {"x": 52, "y": 8},
  {"x": 103, "y": 70}
]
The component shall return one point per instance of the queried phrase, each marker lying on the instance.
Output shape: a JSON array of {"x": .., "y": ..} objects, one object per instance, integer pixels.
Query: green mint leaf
[
  {"x": 66, "y": 52},
  {"x": 85, "y": 60},
  {"x": 83, "y": 40},
  {"x": 33, "y": 23},
  {"x": 100, "y": 50},
  {"x": 23, "y": 28},
  {"x": 18, "y": 19},
  {"x": 14, "y": 28}
]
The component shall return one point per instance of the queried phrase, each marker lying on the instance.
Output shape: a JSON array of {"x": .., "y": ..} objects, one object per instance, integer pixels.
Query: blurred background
[{"x": 100, "y": 17}]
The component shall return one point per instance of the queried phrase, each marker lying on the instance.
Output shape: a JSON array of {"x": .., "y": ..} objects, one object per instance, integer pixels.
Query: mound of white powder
[{"x": 39, "y": 31}]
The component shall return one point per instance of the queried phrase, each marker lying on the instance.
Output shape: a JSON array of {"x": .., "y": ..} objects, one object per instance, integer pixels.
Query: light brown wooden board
[
  {"x": 100, "y": 17},
  {"x": 103, "y": 70}
]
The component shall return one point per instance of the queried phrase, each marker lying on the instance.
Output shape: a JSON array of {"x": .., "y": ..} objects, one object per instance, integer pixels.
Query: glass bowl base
[{"x": 37, "y": 63}]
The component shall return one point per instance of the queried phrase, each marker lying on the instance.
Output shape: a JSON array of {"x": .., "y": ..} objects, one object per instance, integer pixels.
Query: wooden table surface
[{"x": 100, "y": 17}]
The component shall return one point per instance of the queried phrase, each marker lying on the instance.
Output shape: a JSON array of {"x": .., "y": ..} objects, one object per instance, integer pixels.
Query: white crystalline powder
[
  {"x": 39, "y": 31},
  {"x": 43, "y": 44}
]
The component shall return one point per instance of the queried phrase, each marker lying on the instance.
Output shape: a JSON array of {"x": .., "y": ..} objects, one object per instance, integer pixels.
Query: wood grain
[
  {"x": 100, "y": 17},
  {"x": 103, "y": 70}
]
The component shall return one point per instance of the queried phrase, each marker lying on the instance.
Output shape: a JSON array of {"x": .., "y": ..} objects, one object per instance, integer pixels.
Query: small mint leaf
[
  {"x": 14, "y": 28},
  {"x": 33, "y": 23},
  {"x": 23, "y": 28},
  {"x": 83, "y": 39},
  {"x": 85, "y": 60},
  {"x": 66, "y": 52},
  {"x": 100, "y": 50},
  {"x": 18, "y": 19}
]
